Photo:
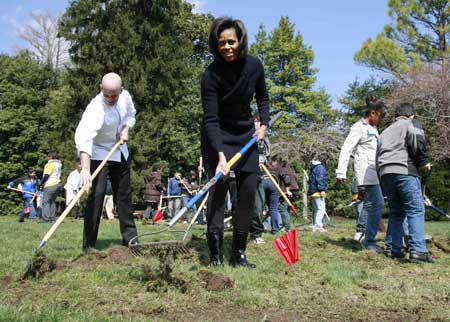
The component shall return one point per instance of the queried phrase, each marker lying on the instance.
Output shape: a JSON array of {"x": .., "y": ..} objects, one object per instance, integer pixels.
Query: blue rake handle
[
  {"x": 439, "y": 211},
  {"x": 219, "y": 175}
]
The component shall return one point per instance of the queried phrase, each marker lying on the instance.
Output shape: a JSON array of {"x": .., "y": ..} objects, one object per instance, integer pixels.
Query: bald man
[{"x": 106, "y": 120}]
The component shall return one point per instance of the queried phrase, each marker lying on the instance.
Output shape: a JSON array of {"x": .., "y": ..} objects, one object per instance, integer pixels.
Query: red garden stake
[
  {"x": 287, "y": 247},
  {"x": 158, "y": 216}
]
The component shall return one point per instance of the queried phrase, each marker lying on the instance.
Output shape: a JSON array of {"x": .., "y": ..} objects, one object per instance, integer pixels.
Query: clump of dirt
[
  {"x": 442, "y": 245},
  {"x": 161, "y": 278},
  {"x": 215, "y": 281},
  {"x": 367, "y": 286},
  {"x": 39, "y": 266}
]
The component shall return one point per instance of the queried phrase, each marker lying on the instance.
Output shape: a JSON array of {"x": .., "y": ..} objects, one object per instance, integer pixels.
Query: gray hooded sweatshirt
[{"x": 402, "y": 148}]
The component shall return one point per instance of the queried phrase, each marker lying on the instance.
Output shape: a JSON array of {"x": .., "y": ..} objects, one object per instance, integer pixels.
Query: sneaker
[
  {"x": 358, "y": 236},
  {"x": 391, "y": 254},
  {"x": 185, "y": 222},
  {"x": 259, "y": 240},
  {"x": 318, "y": 229},
  {"x": 418, "y": 257}
]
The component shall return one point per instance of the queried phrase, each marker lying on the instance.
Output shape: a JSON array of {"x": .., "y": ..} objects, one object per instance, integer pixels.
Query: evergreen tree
[
  {"x": 291, "y": 77},
  {"x": 420, "y": 33},
  {"x": 24, "y": 90}
]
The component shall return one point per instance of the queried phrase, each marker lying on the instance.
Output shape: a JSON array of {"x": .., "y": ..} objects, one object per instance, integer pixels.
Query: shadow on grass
[{"x": 346, "y": 243}]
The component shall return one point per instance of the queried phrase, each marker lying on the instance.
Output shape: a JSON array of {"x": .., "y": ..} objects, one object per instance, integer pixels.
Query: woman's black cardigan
[{"x": 227, "y": 89}]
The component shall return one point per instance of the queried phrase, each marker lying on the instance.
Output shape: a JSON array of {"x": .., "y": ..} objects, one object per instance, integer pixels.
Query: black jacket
[{"x": 227, "y": 90}]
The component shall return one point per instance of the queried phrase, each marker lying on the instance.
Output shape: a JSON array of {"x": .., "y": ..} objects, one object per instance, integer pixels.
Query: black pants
[
  {"x": 119, "y": 175},
  {"x": 246, "y": 188}
]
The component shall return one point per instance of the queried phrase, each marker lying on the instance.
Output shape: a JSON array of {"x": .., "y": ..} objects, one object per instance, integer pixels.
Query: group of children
[{"x": 391, "y": 165}]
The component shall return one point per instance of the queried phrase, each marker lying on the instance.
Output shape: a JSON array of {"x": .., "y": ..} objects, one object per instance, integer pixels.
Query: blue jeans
[
  {"x": 271, "y": 197},
  {"x": 28, "y": 204},
  {"x": 405, "y": 200},
  {"x": 285, "y": 216},
  {"x": 373, "y": 209},
  {"x": 361, "y": 218}
]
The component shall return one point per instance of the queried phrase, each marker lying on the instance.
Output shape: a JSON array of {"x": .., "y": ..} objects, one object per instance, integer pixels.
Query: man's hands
[
  {"x": 340, "y": 180},
  {"x": 123, "y": 135},
  {"x": 323, "y": 194},
  {"x": 222, "y": 165},
  {"x": 85, "y": 173}
]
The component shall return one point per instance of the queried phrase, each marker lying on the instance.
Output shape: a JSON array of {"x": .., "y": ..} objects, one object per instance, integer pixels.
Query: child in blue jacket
[{"x": 317, "y": 191}]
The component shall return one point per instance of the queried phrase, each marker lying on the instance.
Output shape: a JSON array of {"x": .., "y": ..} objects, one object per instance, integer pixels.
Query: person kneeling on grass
[
  {"x": 317, "y": 191},
  {"x": 401, "y": 159}
]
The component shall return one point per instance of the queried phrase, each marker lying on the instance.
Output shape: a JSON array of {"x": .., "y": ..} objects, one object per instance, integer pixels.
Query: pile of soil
[
  {"x": 39, "y": 266},
  {"x": 215, "y": 281},
  {"x": 161, "y": 278}
]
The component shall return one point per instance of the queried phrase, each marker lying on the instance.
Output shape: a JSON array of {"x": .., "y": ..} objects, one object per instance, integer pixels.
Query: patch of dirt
[
  {"x": 219, "y": 311},
  {"x": 367, "y": 286},
  {"x": 215, "y": 281},
  {"x": 113, "y": 255},
  {"x": 39, "y": 266},
  {"x": 6, "y": 281}
]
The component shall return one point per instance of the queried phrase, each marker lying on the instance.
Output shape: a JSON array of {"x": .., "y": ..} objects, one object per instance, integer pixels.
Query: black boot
[
  {"x": 215, "y": 244},
  {"x": 238, "y": 257}
]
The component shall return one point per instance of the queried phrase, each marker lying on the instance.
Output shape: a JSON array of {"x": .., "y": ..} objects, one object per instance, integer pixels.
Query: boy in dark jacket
[
  {"x": 29, "y": 184},
  {"x": 317, "y": 191},
  {"x": 153, "y": 190},
  {"x": 401, "y": 158}
]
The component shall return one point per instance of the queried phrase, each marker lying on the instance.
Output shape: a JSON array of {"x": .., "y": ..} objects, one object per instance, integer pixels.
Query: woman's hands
[
  {"x": 260, "y": 132},
  {"x": 222, "y": 165}
]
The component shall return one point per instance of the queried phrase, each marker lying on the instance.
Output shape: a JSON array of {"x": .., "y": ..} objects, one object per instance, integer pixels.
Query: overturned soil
[
  {"x": 215, "y": 281},
  {"x": 39, "y": 266},
  {"x": 160, "y": 279}
]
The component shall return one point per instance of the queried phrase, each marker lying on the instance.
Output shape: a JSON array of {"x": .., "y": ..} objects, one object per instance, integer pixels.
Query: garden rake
[{"x": 175, "y": 245}]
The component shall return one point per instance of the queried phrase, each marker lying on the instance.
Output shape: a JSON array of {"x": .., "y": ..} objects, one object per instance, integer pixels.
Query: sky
[{"x": 334, "y": 29}]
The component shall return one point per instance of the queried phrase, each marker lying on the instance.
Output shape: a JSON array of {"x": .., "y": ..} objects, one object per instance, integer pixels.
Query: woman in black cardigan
[{"x": 228, "y": 86}]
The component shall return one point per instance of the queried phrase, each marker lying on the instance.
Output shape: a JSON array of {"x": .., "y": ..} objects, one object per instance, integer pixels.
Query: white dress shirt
[
  {"x": 361, "y": 142},
  {"x": 72, "y": 185},
  {"x": 100, "y": 125}
]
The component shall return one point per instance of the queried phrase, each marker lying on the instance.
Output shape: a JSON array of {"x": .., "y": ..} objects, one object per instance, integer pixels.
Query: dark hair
[
  {"x": 405, "y": 109},
  {"x": 323, "y": 158},
  {"x": 219, "y": 25},
  {"x": 373, "y": 104},
  {"x": 30, "y": 170},
  {"x": 156, "y": 167},
  {"x": 53, "y": 155}
]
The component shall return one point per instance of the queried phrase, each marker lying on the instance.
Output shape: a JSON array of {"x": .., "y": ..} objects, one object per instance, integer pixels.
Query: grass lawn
[{"x": 335, "y": 280}]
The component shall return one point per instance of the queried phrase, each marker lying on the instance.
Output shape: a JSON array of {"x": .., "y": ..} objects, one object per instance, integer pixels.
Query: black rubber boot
[
  {"x": 215, "y": 244},
  {"x": 238, "y": 257}
]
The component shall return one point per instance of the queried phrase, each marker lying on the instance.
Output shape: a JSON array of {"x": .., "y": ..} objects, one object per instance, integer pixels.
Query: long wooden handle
[
  {"x": 18, "y": 190},
  {"x": 75, "y": 200},
  {"x": 278, "y": 188}
]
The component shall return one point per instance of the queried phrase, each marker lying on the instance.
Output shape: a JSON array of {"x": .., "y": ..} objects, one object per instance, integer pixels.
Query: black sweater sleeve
[
  {"x": 261, "y": 95},
  {"x": 211, "y": 111}
]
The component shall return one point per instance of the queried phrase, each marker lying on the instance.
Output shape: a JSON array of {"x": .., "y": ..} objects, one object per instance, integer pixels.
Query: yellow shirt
[{"x": 53, "y": 169}]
